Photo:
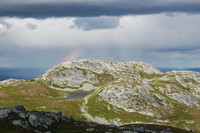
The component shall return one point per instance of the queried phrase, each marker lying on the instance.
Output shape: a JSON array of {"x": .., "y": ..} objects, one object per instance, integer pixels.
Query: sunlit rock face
[
  {"x": 134, "y": 95},
  {"x": 132, "y": 86},
  {"x": 182, "y": 86},
  {"x": 91, "y": 74}
]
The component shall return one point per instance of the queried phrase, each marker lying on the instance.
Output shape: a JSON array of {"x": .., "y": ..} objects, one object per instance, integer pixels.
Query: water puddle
[{"x": 76, "y": 95}]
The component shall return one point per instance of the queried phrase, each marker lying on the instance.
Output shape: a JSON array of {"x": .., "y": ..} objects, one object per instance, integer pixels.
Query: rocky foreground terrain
[
  {"x": 120, "y": 93},
  {"x": 17, "y": 119}
]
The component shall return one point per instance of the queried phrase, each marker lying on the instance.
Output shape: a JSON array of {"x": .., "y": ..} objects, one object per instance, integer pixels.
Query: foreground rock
[{"x": 17, "y": 119}]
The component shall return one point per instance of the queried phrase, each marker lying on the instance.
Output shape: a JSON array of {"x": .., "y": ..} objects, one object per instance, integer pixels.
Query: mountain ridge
[
  {"x": 95, "y": 70},
  {"x": 121, "y": 93}
]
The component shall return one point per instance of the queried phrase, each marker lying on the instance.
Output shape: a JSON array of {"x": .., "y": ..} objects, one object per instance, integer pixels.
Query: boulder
[
  {"x": 113, "y": 126},
  {"x": 46, "y": 120},
  {"x": 59, "y": 114},
  {"x": 40, "y": 120},
  {"x": 55, "y": 115},
  {"x": 65, "y": 118},
  {"x": 20, "y": 123},
  {"x": 4, "y": 112},
  {"x": 163, "y": 131},
  {"x": 71, "y": 118},
  {"x": 22, "y": 115},
  {"x": 18, "y": 109},
  {"x": 34, "y": 120},
  {"x": 17, "y": 122},
  {"x": 90, "y": 129}
]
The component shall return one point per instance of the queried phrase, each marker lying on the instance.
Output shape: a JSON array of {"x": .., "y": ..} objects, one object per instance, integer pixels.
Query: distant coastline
[
  {"x": 30, "y": 73},
  {"x": 20, "y": 73},
  {"x": 165, "y": 69}
]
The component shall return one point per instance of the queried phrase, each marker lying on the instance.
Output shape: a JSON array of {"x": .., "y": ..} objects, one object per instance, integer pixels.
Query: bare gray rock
[
  {"x": 33, "y": 120},
  {"x": 4, "y": 112},
  {"x": 90, "y": 129}
]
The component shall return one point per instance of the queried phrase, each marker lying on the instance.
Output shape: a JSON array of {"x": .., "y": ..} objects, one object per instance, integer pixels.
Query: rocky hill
[
  {"x": 89, "y": 75},
  {"x": 121, "y": 93}
]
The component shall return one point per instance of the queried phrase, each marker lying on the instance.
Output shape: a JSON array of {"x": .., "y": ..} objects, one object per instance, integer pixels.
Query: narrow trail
[
  {"x": 97, "y": 119},
  {"x": 90, "y": 117}
]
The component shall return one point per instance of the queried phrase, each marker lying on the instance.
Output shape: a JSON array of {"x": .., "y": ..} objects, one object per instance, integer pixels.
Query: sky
[{"x": 44, "y": 33}]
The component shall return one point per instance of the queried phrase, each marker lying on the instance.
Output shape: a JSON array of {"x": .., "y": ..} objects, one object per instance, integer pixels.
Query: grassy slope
[
  {"x": 100, "y": 108},
  {"x": 36, "y": 96},
  {"x": 179, "y": 118},
  {"x": 96, "y": 106}
]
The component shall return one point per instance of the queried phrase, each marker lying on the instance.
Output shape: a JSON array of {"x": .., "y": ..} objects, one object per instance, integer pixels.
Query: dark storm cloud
[
  {"x": 93, "y": 23},
  {"x": 89, "y": 8}
]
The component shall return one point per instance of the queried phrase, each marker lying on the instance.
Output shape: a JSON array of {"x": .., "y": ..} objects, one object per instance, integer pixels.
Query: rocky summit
[
  {"x": 119, "y": 93},
  {"x": 89, "y": 75},
  {"x": 17, "y": 119}
]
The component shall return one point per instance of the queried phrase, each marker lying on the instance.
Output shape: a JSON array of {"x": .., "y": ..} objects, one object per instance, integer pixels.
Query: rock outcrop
[
  {"x": 17, "y": 119},
  {"x": 89, "y": 75}
]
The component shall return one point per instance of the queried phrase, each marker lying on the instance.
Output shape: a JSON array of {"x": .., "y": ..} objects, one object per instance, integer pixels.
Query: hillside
[
  {"x": 121, "y": 93},
  {"x": 17, "y": 119}
]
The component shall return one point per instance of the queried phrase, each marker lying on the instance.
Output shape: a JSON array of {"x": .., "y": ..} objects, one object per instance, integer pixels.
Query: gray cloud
[
  {"x": 31, "y": 26},
  {"x": 92, "y": 23},
  {"x": 187, "y": 48},
  {"x": 87, "y": 8},
  {"x": 156, "y": 39},
  {"x": 48, "y": 57}
]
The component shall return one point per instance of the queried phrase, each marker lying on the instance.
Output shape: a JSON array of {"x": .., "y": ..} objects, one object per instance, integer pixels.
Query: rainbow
[{"x": 74, "y": 55}]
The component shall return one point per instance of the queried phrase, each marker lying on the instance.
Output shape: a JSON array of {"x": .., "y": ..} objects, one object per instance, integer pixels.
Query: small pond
[{"x": 76, "y": 95}]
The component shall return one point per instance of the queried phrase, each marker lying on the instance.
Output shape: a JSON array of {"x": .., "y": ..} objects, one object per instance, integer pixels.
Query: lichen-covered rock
[
  {"x": 134, "y": 95},
  {"x": 186, "y": 98},
  {"x": 182, "y": 86},
  {"x": 40, "y": 120},
  {"x": 13, "y": 82},
  {"x": 20, "y": 123},
  {"x": 34, "y": 120},
  {"x": 71, "y": 118},
  {"x": 22, "y": 115},
  {"x": 91, "y": 74},
  {"x": 4, "y": 112},
  {"x": 90, "y": 130},
  {"x": 54, "y": 115},
  {"x": 188, "y": 80}
]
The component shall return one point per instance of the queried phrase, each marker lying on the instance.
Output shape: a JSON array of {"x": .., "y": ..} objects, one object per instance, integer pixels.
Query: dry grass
[{"x": 36, "y": 96}]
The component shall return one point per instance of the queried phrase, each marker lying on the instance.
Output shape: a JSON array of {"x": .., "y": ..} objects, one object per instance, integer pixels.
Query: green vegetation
[
  {"x": 100, "y": 108},
  {"x": 36, "y": 96},
  {"x": 180, "y": 112},
  {"x": 150, "y": 76}
]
